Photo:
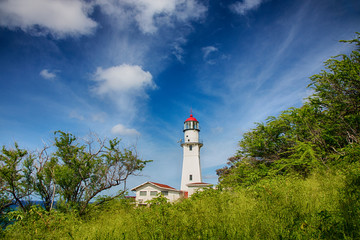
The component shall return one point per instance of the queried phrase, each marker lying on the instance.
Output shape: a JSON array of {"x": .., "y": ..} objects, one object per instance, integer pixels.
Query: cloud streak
[
  {"x": 245, "y": 6},
  {"x": 149, "y": 15},
  {"x": 211, "y": 55}
]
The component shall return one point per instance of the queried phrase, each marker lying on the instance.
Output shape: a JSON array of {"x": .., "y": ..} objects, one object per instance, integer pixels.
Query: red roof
[
  {"x": 191, "y": 118},
  {"x": 162, "y": 185}
]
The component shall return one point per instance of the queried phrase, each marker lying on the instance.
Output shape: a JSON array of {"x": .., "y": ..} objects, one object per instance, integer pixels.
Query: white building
[
  {"x": 191, "y": 180},
  {"x": 149, "y": 190}
]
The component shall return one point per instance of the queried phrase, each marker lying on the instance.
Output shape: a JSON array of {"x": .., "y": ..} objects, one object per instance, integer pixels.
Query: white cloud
[
  {"x": 208, "y": 50},
  {"x": 120, "y": 129},
  {"x": 124, "y": 85},
  {"x": 178, "y": 51},
  {"x": 246, "y": 5},
  {"x": 58, "y": 17},
  {"x": 212, "y": 55},
  {"x": 150, "y": 14},
  {"x": 122, "y": 78},
  {"x": 47, "y": 75}
]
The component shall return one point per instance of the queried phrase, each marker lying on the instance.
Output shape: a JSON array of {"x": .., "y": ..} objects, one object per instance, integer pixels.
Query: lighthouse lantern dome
[{"x": 191, "y": 124}]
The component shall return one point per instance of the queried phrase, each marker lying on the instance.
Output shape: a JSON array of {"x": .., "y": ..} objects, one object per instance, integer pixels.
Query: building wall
[
  {"x": 191, "y": 166},
  {"x": 191, "y": 159},
  {"x": 191, "y": 136},
  {"x": 148, "y": 188}
]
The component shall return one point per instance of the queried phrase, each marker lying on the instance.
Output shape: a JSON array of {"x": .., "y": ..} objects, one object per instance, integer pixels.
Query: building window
[
  {"x": 190, "y": 147},
  {"x": 142, "y": 193},
  {"x": 165, "y": 193},
  {"x": 153, "y": 193},
  {"x": 190, "y": 177}
]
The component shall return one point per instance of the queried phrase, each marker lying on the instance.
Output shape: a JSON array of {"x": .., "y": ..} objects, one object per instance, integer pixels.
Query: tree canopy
[
  {"x": 72, "y": 171},
  {"x": 321, "y": 133}
]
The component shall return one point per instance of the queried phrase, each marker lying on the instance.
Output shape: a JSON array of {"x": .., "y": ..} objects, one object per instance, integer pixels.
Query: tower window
[
  {"x": 190, "y": 147},
  {"x": 190, "y": 177}
]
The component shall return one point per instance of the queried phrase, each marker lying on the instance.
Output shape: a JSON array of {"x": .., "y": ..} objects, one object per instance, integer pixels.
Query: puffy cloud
[
  {"x": 120, "y": 129},
  {"x": 150, "y": 14},
  {"x": 124, "y": 84},
  {"x": 246, "y": 5},
  {"x": 62, "y": 18},
  {"x": 58, "y": 17},
  {"x": 122, "y": 78},
  {"x": 47, "y": 75}
]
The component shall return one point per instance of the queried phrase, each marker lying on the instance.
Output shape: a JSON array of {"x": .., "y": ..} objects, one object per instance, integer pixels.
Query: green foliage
[
  {"x": 37, "y": 223},
  {"x": 321, "y": 206},
  {"x": 16, "y": 178},
  {"x": 337, "y": 93},
  {"x": 350, "y": 204},
  {"x": 158, "y": 200},
  {"x": 45, "y": 186},
  {"x": 75, "y": 172},
  {"x": 323, "y": 132},
  {"x": 81, "y": 174}
]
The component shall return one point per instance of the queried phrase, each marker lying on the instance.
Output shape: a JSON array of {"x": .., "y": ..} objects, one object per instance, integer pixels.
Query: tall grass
[{"x": 279, "y": 208}]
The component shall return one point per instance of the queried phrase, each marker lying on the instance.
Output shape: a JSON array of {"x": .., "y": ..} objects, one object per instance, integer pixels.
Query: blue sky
[{"x": 134, "y": 68}]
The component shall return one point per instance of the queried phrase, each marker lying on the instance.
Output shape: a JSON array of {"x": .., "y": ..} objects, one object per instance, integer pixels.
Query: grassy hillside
[{"x": 319, "y": 207}]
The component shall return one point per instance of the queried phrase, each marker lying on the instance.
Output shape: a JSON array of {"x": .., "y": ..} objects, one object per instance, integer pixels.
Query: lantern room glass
[{"x": 191, "y": 125}]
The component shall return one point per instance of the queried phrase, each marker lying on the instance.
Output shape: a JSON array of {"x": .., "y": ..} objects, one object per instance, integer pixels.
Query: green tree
[
  {"x": 82, "y": 173},
  {"x": 71, "y": 171},
  {"x": 16, "y": 177},
  {"x": 301, "y": 139},
  {"x": 337, "y": 94},
  {"x": 45, "y": 185}
]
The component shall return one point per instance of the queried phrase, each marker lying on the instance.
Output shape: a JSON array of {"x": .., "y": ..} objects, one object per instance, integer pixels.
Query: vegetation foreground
[
  {"x": 296, "y": 176},
  {"x": 318, "y": 207}
]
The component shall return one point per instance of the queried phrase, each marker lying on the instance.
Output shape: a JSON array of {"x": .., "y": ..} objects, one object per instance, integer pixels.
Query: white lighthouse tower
[
  {"x": 191, "y": 180},
  {"x": 191, "y": 171}
]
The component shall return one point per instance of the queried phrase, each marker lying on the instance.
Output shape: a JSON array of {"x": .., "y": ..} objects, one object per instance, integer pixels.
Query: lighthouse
[
  {"x": 191, "y": 170},
  {"x": 191, "y": 180}
]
